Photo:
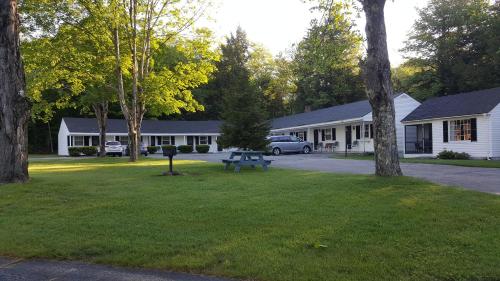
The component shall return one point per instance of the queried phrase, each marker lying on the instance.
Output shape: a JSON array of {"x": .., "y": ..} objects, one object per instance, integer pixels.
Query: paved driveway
[
  {"x": 479, "y": 179},
  {"x": 34, "y": 270}
]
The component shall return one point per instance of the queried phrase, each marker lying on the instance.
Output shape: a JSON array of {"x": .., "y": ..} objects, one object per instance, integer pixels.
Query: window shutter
[
  {"x": 445, "y": 131},
  {"x": 209, "y": 140},
  {"x": 69, "y": 143},
  {"x": 473, "y": 129},
  {"x": 334, "y": 134},
  {"x": 172, "y": 140},
  {"x": 371, "y": 131},
  {"x": 190, "y": 140},
  {"x": 153, "y": 141},
  {"x": 358, "y": 132},
  {"x": 305, "y": 135},
  {"x": 197, "y": 140},
  {"x": 322, "y": 135}
]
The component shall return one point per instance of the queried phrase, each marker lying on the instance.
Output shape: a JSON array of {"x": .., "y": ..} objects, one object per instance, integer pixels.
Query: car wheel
[
  {"x": 276, "y": 151},
  {"x": 306, "y": 150}
]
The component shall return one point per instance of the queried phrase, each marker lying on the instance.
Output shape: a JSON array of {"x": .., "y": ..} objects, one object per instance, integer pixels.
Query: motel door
[
  {"x": 348, "y": 137},
  {"x": 316, "y": 139}
]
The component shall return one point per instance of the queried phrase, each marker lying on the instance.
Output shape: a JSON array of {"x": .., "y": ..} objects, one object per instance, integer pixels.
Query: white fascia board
[
  {"x": 445, "y": 118},
  {"x": 187, "y": 134},
  {"x": 149, "y": 134},
  {"x": 325, "y": 124}
]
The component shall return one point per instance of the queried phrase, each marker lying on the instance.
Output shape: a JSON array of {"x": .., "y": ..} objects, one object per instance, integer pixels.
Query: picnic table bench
[{"x": 247, "y": 158}]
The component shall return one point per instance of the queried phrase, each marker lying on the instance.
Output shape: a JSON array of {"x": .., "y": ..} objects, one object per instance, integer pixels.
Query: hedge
[
  {"x": 85, "y": 150},
  {"x": 152, "y": 149},
  {"x": 74, "y": 151},
  {"x": 202, "y": 148},
  {"x": 185, "y": 148},
  {"x": 167, "y": 147},
  {"x": 89, "y": 150},
  {"x": 448, "y": 154}
]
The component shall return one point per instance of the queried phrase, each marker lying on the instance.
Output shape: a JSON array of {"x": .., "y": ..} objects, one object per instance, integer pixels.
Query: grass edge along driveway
[
  {"x": 280, "y": 225},
  {"x": 463, "y": 163}
]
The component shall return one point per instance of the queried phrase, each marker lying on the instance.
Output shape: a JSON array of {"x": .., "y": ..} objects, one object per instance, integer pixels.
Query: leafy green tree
[
  {"x": 327, "y": 60},
  {"x": 274, "y": 78},
  {"x": 454, "y": 47},
  {"x": 135, "y": 33},
  {"x": 245, "y": 122}
]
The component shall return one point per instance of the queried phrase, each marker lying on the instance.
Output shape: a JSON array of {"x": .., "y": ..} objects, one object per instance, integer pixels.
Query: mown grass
[
  {"x": 464, "y": 163},
  {"x": 253, "y": 225}
]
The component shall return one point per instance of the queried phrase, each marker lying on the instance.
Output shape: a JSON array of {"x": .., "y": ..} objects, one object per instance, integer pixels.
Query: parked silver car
[
  {"x": 285, "y": 144},
  {"x": 114, "y": 148}
]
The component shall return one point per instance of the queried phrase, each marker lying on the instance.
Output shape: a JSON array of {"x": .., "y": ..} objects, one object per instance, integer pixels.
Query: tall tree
[
  {"x": 327, "y": 59},
  {"x": 454, "y": 47},
  {"x": 15, "y": 108},
  {"x": 377, "y": 72},
  {"x": 245, "y": 123},
  {"x": 134, "y": 33}
]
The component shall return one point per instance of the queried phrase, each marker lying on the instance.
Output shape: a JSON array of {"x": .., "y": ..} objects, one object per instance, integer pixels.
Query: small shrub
[
  {"x": 74, "y": 151},
  {"x": 185, "y": 148},
  {"x": 202, "y": 148},
  {"x": 152, "y": 149},
  {"x": 448, "y": 154},
  {"x": 462, "y": 156},
  {"x": 88, "y": 150},
  {"x": 167, "y": 147}
]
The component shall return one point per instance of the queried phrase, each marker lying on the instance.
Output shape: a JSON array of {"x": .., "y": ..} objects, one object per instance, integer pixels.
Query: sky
[{"x": 277, "y": 24}]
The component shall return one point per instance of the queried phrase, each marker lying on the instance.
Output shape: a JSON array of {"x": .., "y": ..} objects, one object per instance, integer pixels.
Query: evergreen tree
[{"x": 245, "y": 124}]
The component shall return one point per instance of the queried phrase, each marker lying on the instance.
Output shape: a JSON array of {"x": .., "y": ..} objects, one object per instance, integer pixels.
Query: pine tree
[{"x": 245, "y": 124}]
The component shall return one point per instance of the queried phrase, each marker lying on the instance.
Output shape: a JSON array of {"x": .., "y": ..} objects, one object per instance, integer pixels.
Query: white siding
[
  {"x": 478, "y": 149},
  {"x": 495, "y": 132},
  {"x": 62, "y": 139},
  {"x": 403, "y": 105}
]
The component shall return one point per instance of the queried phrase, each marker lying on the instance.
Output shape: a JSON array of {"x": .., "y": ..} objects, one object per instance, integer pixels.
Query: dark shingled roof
[
  {"x": 471, "y": 103},
  {"x": 119, "y": 126},
  {"x": 330, "y": 114}
]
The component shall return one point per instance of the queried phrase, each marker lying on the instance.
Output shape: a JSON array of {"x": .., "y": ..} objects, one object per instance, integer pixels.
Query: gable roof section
[
  {"x": 471, "y": 103},
  {"x": 330, "y": 114},
  {"x": 119, "y": 126}
]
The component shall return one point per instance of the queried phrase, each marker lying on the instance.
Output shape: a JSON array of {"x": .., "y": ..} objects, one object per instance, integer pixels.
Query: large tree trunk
[
  {"x": 14, "y": 105},
  {"x": 131, "y": 121},
  {"x": 101, "y": 114},
  {"x": 379, "y": 89}
]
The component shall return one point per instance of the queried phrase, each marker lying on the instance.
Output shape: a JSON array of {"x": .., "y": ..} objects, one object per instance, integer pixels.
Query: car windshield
[{"x": 113, "y": 143}]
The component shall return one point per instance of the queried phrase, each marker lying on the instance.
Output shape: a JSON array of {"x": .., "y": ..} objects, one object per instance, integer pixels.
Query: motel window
[
  {"x": 328, "y": 134},
  {"x": 165, "y": 140},
  {"x": 203, "y": 140},
  {"x": 463, "y": 130},
  {"x": 123, "y": 140},
  {"x": 78, "y": 141},
  {"x": 301, "y": 135},
  {"x": 367, "y": 131}
]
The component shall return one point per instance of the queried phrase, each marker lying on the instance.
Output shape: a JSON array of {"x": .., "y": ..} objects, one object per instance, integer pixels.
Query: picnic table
[{"x": 246, "y": 158}]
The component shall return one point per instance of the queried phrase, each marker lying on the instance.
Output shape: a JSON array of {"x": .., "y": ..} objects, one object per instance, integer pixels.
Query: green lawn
[
  {"x": 255, "y": 225},
  {"x": 465, "y": 163}
]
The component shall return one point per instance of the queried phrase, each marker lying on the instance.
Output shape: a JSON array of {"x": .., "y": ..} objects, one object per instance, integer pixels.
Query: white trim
[
  {"x": 314, "y": 125},
  {"x": 446, "y": 118}
]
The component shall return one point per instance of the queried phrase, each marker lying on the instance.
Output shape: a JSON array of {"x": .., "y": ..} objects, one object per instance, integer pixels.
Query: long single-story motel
[{"x": 467, "y": 122}]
